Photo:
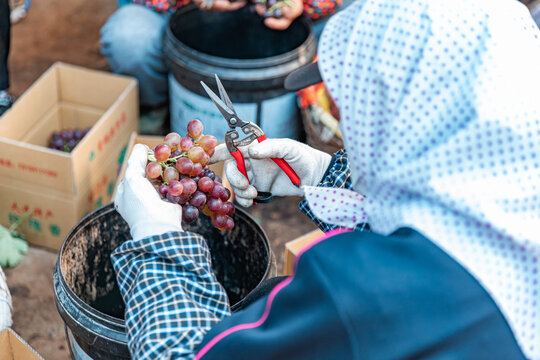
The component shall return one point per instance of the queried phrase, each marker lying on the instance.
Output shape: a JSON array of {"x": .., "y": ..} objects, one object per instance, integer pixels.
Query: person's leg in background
[
  {"x": 5, "y": 34},
  {"x": 131, "y": 40}
]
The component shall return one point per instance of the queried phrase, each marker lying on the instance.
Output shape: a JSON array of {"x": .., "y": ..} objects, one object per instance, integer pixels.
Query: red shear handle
[
  {"x": 283, "y": 165},
  {"x": 240, "y": 162}
]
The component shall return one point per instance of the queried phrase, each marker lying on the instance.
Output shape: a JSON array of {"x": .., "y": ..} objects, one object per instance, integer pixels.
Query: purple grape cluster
[{"x": 67, "y": 139}]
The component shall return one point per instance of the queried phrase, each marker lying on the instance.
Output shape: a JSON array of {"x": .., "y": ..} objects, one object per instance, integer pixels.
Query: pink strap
[{"x": 270, "y": 299}]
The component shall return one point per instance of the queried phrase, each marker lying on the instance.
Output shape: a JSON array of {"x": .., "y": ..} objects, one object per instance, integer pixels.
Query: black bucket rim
[
  {"x": 88, "y": 312},
  {"x": 230, "y": 63}
]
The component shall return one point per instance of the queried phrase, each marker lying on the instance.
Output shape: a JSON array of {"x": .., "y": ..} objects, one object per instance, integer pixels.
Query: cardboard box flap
[
  {"x": 46, "y": 217},
  {"x": 34, "y": 164},
  {"x": 91, "y": 88},
  {"x": 13, "y": 347},
  {"x": 25, "y": 113}
]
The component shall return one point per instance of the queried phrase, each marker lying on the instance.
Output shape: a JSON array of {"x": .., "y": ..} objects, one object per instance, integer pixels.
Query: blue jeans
[
  {"x": 131, "y": 40},
  {"x": 5, "y": 34}
]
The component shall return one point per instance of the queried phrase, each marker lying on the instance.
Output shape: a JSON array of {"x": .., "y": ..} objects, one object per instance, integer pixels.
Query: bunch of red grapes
[
  {"x": 179, "y": 168},
  {"x": 67, "y": 139}
]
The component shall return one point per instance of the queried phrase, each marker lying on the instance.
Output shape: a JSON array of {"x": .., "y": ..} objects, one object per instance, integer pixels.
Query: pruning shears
[{"x": 252, "y": 132}]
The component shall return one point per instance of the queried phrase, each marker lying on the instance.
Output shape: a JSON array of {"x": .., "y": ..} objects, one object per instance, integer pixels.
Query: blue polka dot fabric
[{"x": 439, "y": 105}]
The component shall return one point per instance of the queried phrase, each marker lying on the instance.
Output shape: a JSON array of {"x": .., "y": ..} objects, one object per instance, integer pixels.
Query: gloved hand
[
  {"x": 5, "y": 303},
  {"x": 308, "y": 163},
  {"x": 11, "y": 248},
  {"x": 140, "y": 204}
]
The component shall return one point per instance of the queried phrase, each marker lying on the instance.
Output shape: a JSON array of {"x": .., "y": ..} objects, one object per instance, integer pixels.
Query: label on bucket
[{"x": 278, "y": 115}]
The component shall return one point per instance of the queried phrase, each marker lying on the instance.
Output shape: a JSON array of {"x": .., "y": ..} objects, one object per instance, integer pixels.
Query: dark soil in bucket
[
  {"x": 235, "y": 34},
  {"x": 240, "y": 257}
]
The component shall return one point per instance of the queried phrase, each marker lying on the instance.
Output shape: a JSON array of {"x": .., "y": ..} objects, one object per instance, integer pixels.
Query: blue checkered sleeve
[
  {"x": 338, "y": 175},
  {"x": 171, "y": 293}
]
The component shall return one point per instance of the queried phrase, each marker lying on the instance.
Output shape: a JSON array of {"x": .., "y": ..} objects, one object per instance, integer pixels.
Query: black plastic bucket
[
  {"x": 85, "y": 288},
  {"x": 251, "y": 60}
]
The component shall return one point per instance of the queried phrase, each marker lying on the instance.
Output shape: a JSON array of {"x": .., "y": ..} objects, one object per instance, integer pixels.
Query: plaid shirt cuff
[
  {"x": 338, "y": 175},
  {"x": 171, "y": 293}
]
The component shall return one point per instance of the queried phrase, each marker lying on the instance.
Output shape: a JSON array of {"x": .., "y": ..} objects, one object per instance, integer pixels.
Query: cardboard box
[
  {"x": 151, "y": 142},
  {"x": 49, "y": 190},
  {"x": 13, "y": 347},
  {"x": 294, "y": 247}
]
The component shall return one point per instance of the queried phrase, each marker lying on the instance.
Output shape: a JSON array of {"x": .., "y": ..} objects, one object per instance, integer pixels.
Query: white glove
[
  {"x": 140, "y": 204},
  {"x": 264, "y": 175},
  {"x": 5, "y": 303}
]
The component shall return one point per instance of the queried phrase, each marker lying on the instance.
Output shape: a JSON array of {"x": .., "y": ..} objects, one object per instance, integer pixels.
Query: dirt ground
[{"x": 68, "y": 31}]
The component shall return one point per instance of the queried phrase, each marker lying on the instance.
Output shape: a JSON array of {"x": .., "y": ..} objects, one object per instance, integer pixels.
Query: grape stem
[
  {"x": 175, "y": 159},
  {"x": 151, "y": 156}
]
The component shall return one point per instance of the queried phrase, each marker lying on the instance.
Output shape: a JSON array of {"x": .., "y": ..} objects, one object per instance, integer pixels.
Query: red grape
[
  {"x": 228, "y": 208},
  {"x": 189, "y": 213},
  {"x": 195, "y": 128},
  {"x": 189, "y": 185},
  {"x": 208, "y": 142},
  {"x": 184, "y": 198},
  {"x": 230, "y": 223},
  {"x": 162, "y": 152},
  {"x": 175, "y": 188},
  {"x": 196, "y": 153},
  {"x": 211, "y": 175},
  {"x": 205, "y": 159},
  {"x": 206, "y": 184},
  {"x": 170, "y": 174},
  {"x": 198, "y": 199},
  {"x": 218, "y": 192},
  {"x": 196, "y": 171},
  {"x": 173, "y": 140},
  {"x": 227, "y": 194},
  {"x": 219, "y": 220},
  {"x": 184, "y": 165},
  {"x": 172, "y": 199},
  {"x": 57, "y": 144},
  {"x": 66, "y": 134},
  {"x": 78, "y": 134},
  {"x": 153, "y": 170},
  {"x": 163, "y": 189},
  {"x": 214, "y": 204},
  {"x": 217, "y": 179},
  {"x": 186, "y": 144}
]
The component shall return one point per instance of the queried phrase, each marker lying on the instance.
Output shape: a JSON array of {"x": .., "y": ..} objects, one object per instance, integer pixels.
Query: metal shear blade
[{"x": 253, "y": 132}]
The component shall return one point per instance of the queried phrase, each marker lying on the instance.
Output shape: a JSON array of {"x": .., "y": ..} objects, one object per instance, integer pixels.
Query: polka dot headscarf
[{"x": 440, "y": 113}]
